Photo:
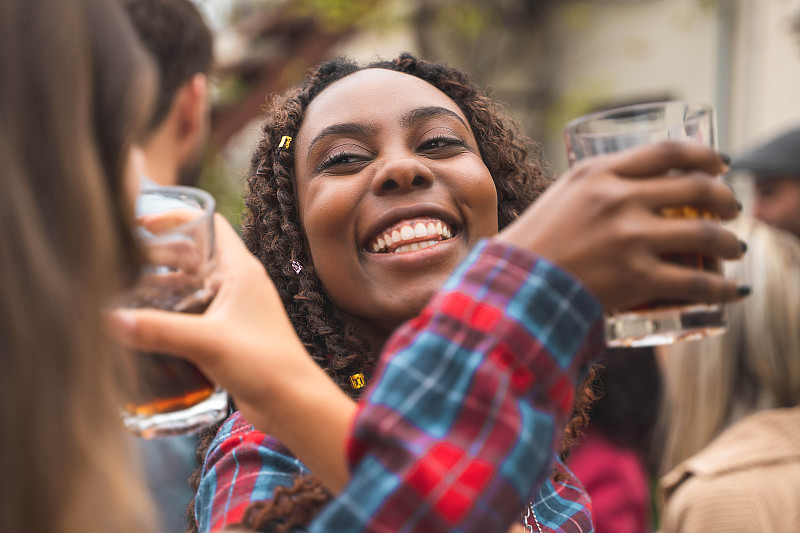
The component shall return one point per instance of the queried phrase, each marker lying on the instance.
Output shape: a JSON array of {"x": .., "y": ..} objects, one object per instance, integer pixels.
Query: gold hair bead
[
  {"x": 357, "y": 381},
  {"x": 285, "y": 142}
]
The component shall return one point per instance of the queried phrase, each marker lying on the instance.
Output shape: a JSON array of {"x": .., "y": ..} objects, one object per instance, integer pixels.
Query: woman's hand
[
  {"x": 246, "y": 343},
  {"x": 603, "y": 222}
]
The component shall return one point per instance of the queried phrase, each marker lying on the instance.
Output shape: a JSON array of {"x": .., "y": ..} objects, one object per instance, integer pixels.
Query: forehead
[{"x": 370, "y": 95}]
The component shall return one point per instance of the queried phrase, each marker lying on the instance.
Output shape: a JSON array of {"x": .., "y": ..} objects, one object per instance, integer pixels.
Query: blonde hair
[
  {"x": 68, "y": 107},
  {"x": 755, "y": 365}
]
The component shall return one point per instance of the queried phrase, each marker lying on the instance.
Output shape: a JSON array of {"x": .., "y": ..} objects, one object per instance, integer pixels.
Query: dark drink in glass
[{"x": 165, "y": 395}]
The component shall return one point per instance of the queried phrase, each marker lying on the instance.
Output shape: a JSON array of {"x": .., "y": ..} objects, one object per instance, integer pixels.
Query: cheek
[
  {"x": 793, "y": 200},
  {"x": 326, "y": 214},
  {"x": 480, "y": 195}
]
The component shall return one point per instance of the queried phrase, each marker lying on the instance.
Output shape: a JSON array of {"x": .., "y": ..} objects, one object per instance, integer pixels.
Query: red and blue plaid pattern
[{"x": 462, "y": 418}]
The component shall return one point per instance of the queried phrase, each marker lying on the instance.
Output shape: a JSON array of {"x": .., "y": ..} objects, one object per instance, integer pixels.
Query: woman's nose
[{"x": 402, "y": 174}]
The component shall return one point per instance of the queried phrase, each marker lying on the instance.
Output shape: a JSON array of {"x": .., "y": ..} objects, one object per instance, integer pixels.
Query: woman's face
[{"x": 392, "y": 194}]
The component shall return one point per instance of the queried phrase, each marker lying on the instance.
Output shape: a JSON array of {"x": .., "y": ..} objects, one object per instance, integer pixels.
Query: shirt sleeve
[
  {"x": 561, "y": 504},
  {"x": 241, "y": 466},
  {"x": 460, "y": 423}
]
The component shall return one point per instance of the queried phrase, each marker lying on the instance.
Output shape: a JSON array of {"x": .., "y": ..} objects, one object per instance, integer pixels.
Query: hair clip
[
  {"x": 296, "y": 266},
  {"x": 285, "y": 142},
  {"x": 357, "y": 381}
]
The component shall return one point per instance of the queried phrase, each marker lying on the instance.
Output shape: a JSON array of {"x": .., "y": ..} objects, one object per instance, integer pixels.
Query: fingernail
[
  {"x": 743, "y": 290},
  {"x": 730, "y": 186},
  {"x": 743, "y": 245},
  {"x": 725, "y": 158}
]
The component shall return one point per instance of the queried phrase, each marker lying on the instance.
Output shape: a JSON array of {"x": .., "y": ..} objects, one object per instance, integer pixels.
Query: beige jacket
[{"x": 747, "y": 479}]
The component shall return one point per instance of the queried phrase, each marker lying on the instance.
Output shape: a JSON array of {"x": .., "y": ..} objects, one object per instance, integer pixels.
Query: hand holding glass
[
  {"x": 663, "y": 321},
  {"x": 166, "y": 395}
]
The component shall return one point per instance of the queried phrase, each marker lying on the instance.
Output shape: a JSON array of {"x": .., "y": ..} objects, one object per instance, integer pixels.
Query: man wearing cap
[{"x": 775, "y": 167}]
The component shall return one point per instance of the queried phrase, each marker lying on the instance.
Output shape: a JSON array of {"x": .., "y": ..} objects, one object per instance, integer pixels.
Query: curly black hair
[
  {"x": 272, "y": 227},
  {"x": 272, "y": 231}
]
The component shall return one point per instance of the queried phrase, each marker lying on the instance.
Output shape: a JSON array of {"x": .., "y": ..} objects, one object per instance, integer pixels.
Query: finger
[
  {"x": 682, "y": 283},
  {"x": 659, "y": 158},
  {"x": 167, "y": 220},
  {"x": 152, "y": 330},
  {"x": 695, "y": 236},
  {"x": 180, "y": 255},
  {"x": 703, "y": 192}
]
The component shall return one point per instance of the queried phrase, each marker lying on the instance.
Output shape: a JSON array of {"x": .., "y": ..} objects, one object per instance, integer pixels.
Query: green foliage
[
  {"x": 334, "y": 15},
  {"x": 468, "y": 19},
  {"x": 226, "y": 189}
]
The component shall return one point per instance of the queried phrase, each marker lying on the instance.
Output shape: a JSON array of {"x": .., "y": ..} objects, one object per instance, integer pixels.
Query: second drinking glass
[
  {"x": 662, "y": 321},
  {"x": 166, "y": 395}
]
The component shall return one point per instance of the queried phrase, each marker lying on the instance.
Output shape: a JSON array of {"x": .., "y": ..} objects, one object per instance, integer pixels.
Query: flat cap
[{"x": 780, "y": 157}]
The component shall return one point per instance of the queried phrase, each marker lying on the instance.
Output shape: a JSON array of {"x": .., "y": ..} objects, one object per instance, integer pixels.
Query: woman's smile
[{"x": 410, "y": 236}]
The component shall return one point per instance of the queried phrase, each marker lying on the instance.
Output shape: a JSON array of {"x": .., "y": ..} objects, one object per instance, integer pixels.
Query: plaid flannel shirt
[{"x": 460, "y": 423}]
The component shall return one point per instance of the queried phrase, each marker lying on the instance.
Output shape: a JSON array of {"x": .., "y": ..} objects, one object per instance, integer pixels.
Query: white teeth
[
  {"x": 438, "y": 230},
  {"x": 414, "y": 246}
]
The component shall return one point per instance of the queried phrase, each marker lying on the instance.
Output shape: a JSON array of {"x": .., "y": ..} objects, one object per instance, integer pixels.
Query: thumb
[{"x": 154, "y": 330}]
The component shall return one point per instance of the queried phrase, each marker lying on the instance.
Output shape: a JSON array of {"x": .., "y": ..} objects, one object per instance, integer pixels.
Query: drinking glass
[
  {"x": 166, "y": 395},
  {"x": 668, "y": 320}
]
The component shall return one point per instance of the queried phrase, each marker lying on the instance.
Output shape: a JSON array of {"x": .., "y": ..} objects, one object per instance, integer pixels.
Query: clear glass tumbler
[
  {"x": 166, "y": 395},
  {"x": 663, "y": 321}
]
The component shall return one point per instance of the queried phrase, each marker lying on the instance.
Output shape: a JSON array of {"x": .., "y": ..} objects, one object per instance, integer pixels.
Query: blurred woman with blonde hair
[
  {"x": 74, "y": 87},
  {"x": 732, "y": 409}
]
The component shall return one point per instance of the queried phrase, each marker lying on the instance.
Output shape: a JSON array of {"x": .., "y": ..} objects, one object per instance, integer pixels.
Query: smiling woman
[
  {"x": 396, "y": 172},
  {"x": 329, "y": 208},
  {"x": 463, "y": 416}
]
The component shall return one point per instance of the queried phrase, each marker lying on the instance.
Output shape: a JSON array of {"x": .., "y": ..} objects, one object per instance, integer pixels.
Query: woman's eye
[
  {"x": 341, "y": 159},
  {"x": 441, "y": 143}
]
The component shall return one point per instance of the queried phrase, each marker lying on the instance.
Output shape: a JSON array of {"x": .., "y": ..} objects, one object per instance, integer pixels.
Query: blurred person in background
[
  {"x": 181, "y": 45},
  {"x": 775, "y": 167},
  {"x": 732, "y": 403},
  {"x": 180, "y": 42},
  {"x": 614, "y": 457},
  {"x": 75, "y": 88}
]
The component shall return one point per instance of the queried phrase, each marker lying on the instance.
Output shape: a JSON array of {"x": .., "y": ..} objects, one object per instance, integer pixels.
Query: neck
[{"x": 161, "y": 163}]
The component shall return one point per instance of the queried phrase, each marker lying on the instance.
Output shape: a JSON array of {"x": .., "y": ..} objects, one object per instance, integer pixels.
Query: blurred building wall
[
  {"x": 742, "y": 56},
  {"x": 560, "y": 59},
  {"x": 765, "y": 71}
]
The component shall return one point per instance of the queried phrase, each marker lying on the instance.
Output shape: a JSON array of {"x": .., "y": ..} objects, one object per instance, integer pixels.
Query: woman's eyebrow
[
  {"x": 346, "y": 128},
  {"x": 423, "y": 113}
]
